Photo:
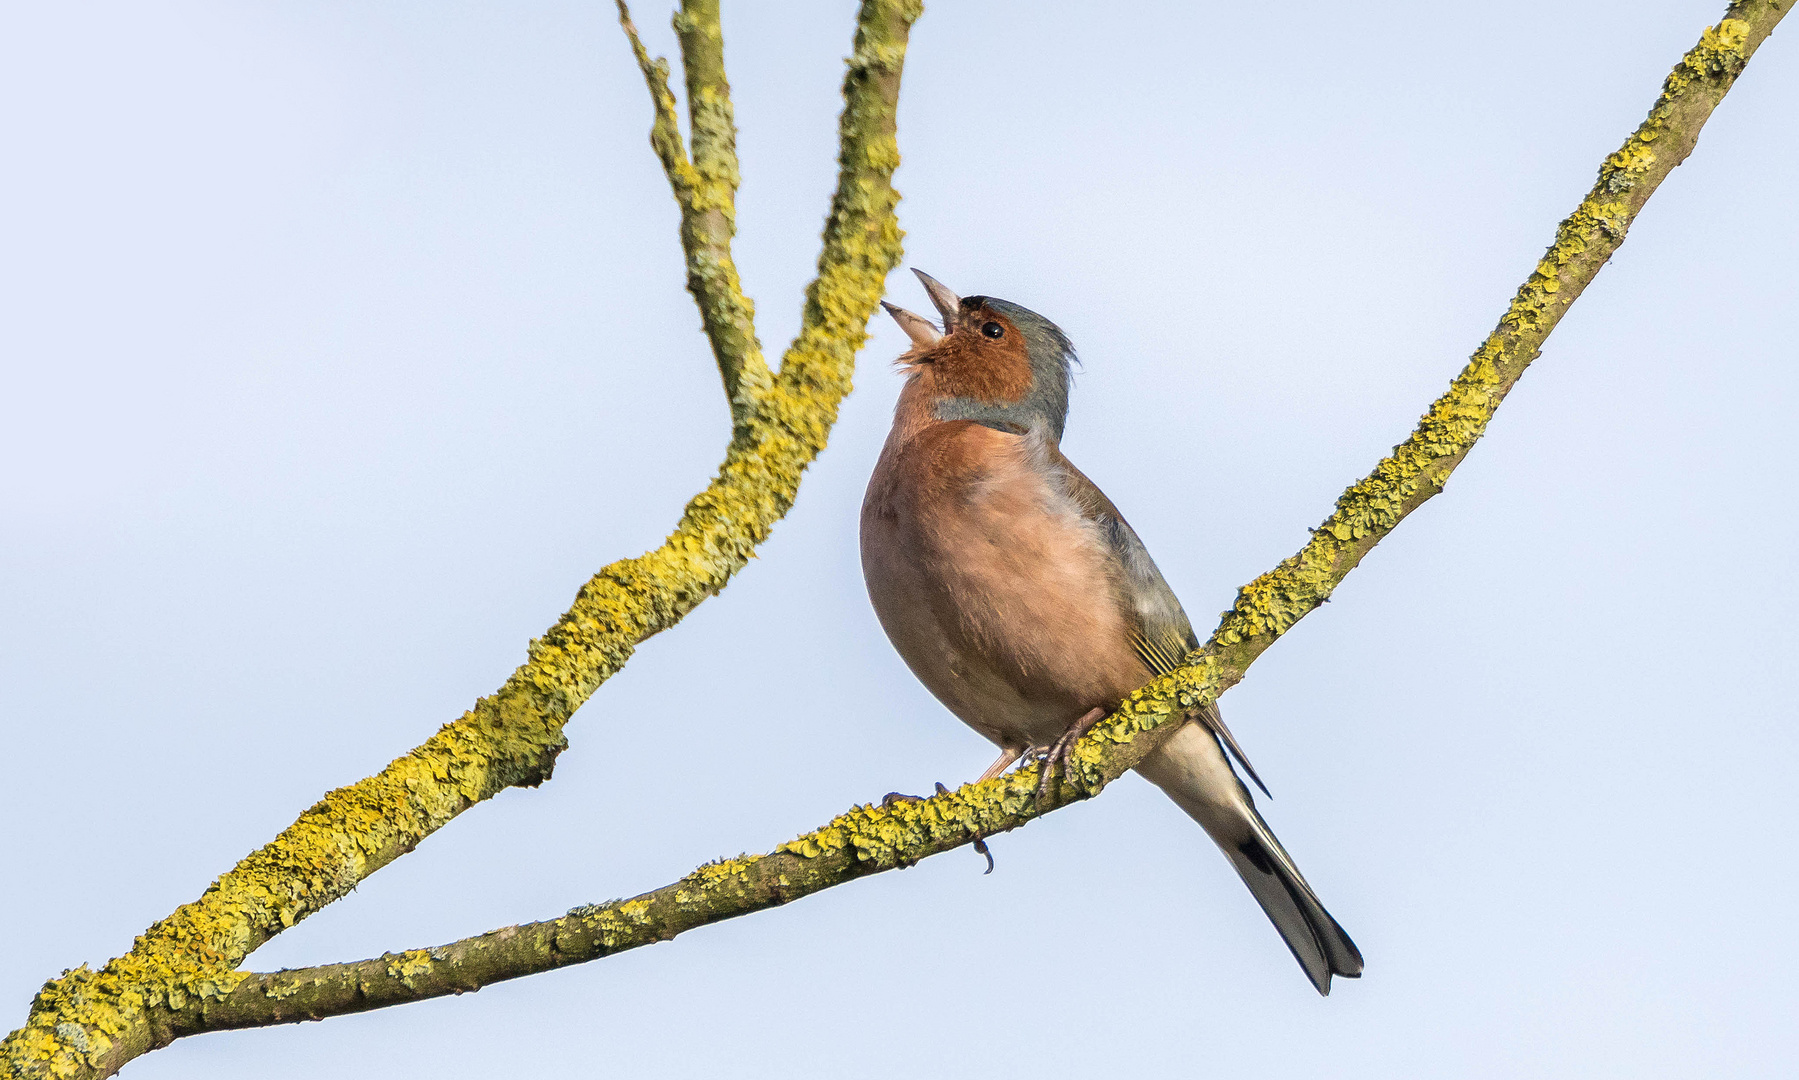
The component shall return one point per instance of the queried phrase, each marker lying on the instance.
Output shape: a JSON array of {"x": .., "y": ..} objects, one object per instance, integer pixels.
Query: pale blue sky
[{"x": 343, "y": 341}]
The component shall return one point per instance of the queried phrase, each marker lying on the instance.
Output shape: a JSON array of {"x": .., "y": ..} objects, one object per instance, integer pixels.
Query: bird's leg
[
  {"x": 1062, "y": 750},
  {"x": 1006, "y": 758},
  {"x": 1064, "y": 747}
]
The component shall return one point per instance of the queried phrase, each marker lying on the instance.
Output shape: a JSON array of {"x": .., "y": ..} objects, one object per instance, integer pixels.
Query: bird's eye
[{"x": 993, "y": 330}]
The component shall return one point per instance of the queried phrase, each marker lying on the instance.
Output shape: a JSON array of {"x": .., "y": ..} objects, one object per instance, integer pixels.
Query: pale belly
[{"x": 1005, "y": 610}]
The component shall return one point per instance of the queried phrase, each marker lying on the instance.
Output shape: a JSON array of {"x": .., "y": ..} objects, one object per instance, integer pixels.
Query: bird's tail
[{"x": 1192, "y": 769}]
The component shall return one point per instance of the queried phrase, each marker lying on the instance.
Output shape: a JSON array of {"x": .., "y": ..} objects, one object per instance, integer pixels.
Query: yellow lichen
[
  {"x": 86, "y": 1022},
  {"x": 512, "y": 737},
  {"x": 409, "y": 965}
]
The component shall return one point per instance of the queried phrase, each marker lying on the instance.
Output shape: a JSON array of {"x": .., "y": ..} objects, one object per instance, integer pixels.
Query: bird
[{"x": 1021, "y": 598}]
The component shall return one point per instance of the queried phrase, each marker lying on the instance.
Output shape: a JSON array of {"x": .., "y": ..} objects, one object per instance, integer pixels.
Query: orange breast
[{"x": 1000, "y": 596}]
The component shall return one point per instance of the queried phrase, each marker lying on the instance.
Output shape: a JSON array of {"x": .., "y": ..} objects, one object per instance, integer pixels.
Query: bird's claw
[
  {"x": 1062, "y": 752},
  {"x": 980, "y": 848},
  {"x": 1048, "y": 757},
  {"x": 1059, "y": 753}
]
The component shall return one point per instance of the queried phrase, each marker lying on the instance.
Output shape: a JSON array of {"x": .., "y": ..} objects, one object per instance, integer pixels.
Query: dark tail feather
[
  {"x": 1317, "y": 941},
  {"x": 1192, "y": 768}
]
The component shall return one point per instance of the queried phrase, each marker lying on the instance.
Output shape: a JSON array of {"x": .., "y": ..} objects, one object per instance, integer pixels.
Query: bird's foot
[
  {"x": 1045, "y": 768},
  {"x": 1061, "y": 752}
]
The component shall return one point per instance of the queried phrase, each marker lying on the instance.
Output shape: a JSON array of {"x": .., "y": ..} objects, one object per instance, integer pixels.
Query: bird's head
[{"x": 993, "y": 362}]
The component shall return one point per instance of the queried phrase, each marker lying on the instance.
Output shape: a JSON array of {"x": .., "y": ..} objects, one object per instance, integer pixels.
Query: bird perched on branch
[{"x": 1021, "y": 598}]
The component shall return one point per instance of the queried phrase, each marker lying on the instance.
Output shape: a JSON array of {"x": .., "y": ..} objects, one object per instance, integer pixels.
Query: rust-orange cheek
[{"x": 991, "y": 370}]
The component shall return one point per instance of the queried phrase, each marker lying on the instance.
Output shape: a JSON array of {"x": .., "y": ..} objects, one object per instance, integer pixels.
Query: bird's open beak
[
  {"x": 917, "y": 327},
  {"x": 948, "y": 304}
]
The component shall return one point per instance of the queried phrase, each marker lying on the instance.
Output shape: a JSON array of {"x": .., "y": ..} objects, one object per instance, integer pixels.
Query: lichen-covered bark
[
  {"x": 89, "y": 1023},
  {"x": 867, "y": 840},
  {"x": 706, "y": 189},
  {"x": 871, "y": 839}
]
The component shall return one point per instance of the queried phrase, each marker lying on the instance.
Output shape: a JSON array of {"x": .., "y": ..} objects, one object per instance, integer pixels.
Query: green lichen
[
  {"x": 615, "y": 923},
  {"x": 1271, "y": 604},
  {"x": 512, "y": 737},
  {"x": 705, "y": 187},
  {"x": 87, "y": 1023},
  {"x": 409, "y": 966}
]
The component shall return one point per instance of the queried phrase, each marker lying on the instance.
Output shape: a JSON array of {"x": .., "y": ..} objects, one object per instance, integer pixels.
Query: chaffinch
[{"x": 1023, "y": 600}]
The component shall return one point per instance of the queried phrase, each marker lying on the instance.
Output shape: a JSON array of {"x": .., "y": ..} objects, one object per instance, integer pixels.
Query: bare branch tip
[{"x": 630, "y": 28}]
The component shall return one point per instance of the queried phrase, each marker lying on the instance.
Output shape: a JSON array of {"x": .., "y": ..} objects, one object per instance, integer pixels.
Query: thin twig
[{"x": 706, "y": 189}]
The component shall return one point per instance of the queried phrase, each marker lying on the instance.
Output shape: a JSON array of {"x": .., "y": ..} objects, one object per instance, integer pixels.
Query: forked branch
[
  {"x": 871, "y": 839},
  {"x": 706, "y": 189},
  {"x": 89, "y": 1023}
]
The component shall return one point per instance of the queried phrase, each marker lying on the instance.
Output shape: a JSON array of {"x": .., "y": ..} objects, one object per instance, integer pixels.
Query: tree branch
[
  {"x": 871, "y": 839},
  {"x": 89, "y": 1023},
  {"x": 706, "y": 189}
]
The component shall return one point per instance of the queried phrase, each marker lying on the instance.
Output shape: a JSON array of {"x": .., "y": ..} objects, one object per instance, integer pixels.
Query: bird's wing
[{"x": 1161, "y": 633}]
